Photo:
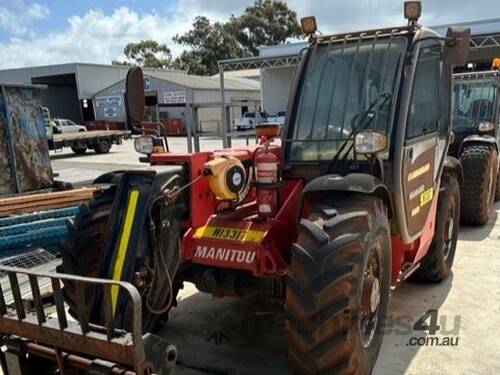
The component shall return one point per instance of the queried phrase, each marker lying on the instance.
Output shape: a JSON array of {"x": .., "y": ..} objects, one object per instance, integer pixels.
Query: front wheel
[{"x": 338, "y": 287}]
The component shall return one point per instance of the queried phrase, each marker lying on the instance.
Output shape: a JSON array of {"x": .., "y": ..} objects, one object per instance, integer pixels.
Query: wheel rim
[
  {"x": 370, "y": 298},
  {"x": 449, "y": 229}
]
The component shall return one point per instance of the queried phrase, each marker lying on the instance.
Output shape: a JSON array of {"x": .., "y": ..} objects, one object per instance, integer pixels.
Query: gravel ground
[{"x": 248, "y": 335}]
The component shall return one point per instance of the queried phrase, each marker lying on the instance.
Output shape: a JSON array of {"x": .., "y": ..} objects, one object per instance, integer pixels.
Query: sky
[{"x": 56, "y": 31}]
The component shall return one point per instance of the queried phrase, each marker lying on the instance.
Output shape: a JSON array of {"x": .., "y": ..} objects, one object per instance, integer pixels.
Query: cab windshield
[
  {"x": 345, "y": 87},
  {"x": 474, "y": 102}
]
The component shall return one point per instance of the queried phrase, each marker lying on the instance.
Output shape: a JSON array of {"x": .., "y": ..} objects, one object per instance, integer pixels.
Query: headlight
[
  {"x": 370, "y": 142},
  {"x": 144, "y": 145},
  {"x": 486, "y": 126}
]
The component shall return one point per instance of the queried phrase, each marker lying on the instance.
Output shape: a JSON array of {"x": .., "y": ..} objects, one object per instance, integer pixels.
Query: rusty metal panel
[{"x": 24, "y": 152}]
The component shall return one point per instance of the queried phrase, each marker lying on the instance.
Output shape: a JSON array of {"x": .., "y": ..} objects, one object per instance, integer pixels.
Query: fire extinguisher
[{"x": 266, "y": 165}]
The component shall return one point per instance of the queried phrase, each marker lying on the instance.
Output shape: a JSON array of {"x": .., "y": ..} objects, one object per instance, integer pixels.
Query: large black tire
[
  {"x": 82, "y": 253},
  {"x": 102, "y": 147},
  {"x": 79, "y": 150},
  {"x": 82, "y": 250},
  {"x": 478, "y": 190},
  {"x": 436, "y": 264},
  {"x": 328, "y": 273}
]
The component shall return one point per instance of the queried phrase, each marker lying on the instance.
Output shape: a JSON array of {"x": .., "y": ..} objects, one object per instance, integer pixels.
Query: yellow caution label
[
  {"x": 419, "y": 172},
  {"x": 123, "y": 244},
  {"x": 426, "y": 196},
  {"x": 233, "y": 234}
]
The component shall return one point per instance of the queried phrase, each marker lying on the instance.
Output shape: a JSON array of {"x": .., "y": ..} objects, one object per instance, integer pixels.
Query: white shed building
[
  {"x": 71, "y": 86},
  {"x": 169, "y": 96},
  {"x": 276, "y": 82}
]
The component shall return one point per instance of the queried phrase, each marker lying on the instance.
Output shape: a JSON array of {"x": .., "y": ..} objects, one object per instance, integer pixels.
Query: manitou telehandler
[
  {"x": 357, "y": 195},
  {"x": 476, "y": 121}
]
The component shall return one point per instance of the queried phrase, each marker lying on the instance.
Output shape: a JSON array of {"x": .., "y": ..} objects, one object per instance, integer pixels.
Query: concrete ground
[{"x": 245, "y": 336}]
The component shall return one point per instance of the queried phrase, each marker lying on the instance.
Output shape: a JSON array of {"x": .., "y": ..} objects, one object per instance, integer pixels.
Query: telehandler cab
[
  {"x": 476, "y": 121},
  {"x": 357, "y": 195}
]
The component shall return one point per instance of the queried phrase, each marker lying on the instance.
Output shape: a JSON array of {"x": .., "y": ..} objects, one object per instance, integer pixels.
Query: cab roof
[{"x": 390, "y": 32}]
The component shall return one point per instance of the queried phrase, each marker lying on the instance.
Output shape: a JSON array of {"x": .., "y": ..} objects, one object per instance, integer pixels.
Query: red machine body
[
  {"x": 240, "y": 239},
  {"x": 254, "y": 237}
]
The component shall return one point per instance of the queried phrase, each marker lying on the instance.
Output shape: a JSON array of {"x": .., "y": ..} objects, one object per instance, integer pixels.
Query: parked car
[
  {"x": 66, "y": 126},
  {"x": 250, "y": 120}
]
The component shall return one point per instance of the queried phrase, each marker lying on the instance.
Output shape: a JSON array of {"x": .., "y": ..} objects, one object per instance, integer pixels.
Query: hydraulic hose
[{"x": 159, "y": 262}]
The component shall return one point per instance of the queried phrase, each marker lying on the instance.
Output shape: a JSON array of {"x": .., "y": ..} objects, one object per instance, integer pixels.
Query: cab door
[{"x": 428, "y": 126}]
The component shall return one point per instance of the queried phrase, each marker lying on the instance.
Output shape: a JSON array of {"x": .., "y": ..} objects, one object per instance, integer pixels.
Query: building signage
[
  {"x": 108, "y": 101},
  {"x": 174, "y": 97},
  {"x": 110, "y": 111},
  {"x": 147, "y": 83}
]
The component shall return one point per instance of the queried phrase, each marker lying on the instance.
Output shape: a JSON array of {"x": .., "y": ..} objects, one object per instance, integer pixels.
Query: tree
[
  {"x": 267, "y": 22},
  {"x": 206, "y": 44},
  {"x": 147, "y": 53}
]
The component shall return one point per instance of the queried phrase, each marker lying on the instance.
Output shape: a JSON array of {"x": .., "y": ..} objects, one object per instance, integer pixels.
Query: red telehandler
[{"x": 356, "y": 195}]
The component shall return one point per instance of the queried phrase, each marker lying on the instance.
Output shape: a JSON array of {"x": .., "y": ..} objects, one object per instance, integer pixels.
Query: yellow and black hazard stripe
[{"x": 123, "y": 243}]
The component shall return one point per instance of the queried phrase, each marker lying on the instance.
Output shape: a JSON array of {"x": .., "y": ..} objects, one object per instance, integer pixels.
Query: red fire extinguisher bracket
[{"x": 266, "y": 167}]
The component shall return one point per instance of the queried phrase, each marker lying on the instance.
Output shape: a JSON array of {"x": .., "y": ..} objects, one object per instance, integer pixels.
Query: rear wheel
[
  {"x": 82, "y": 250},
  {"x": 82, "y": 253},
  {"x": 338, "y": 287},
  {"x": 102, "y": 147},
  {"x": 480, "y": 176},
  {"x": 79, "y": 149},
  {"x": 436, "y": 265}
]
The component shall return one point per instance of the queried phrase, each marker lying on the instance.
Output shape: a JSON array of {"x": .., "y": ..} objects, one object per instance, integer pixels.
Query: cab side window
[{"x": 427, "y": 110}]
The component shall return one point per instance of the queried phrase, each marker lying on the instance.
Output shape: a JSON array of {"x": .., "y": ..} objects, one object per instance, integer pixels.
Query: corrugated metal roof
[
  {"x": 244, "y": 73},
  {"x": 487, "y": 26},
  {"x": 281, "y": 49},
  {"x": 91, "y": 78},
  {"x": 72, "y": 67},
  {"x": 208, "y": 83}
]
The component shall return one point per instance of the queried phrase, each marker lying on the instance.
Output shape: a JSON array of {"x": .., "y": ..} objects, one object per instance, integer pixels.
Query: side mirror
[
  {"x": 457, "y": 45},
  {"x": 134, "y": 97}
]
